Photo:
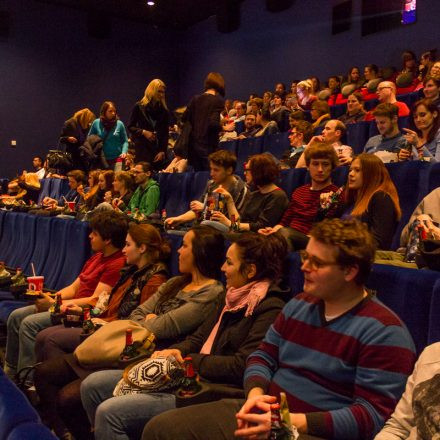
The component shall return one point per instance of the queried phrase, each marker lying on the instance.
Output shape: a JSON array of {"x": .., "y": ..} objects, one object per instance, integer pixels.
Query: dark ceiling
[{"x": 176, "y": 14}]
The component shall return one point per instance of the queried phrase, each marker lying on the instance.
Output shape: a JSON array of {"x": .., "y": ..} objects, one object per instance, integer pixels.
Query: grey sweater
[{"x": 191, "y": 308}]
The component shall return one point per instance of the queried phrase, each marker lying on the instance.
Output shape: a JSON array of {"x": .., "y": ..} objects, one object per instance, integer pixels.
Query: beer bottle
[
  {"x": 190, "y": 384},
  {"x": 87, "y": 326},
  {"x": 278, "y": 431},
  {"x": 164, "y": 215},
  {"x": 233, "y": 226},
  {"x": 58, "y": 303},
  {"x": 130, "y": 349}
]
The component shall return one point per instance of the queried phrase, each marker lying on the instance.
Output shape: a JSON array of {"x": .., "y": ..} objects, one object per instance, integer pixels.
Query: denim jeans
[
  {"x": 120, "y": 417},
  {"x": 23, "y": 326}
]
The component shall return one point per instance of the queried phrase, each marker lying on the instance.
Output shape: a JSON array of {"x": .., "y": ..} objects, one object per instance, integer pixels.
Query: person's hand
[
  {"x": 403, "y": 155},
  {"x": 221, "y": 218},
  {"x": 268, "y": 230},
  {"x": 196, "y": 206},
  {"x": 225, "y": 193},
  {"x": 72, "y": 139},
  {"x": 159, "y": 156},
  {"x": 345, "y": 160},
  {"x": 150, "y": 316},
  {"x": 317, "y": 138},
  {"x": 169, "y": 352},
  {"x": 172, "y": 221},
  {"x": 108, "y": 196},
  {"x": 71, "y": 309},
  {"x": 411, "y": 136},
  {"x": 98, "y": 321},
  {"x": 150, "y": 135},
  {"x": 43, "y": 304},
  {"x": 80, "y": 190},
  {"x": 251, "y": 425},
  {"x": 229, "y": 127}
]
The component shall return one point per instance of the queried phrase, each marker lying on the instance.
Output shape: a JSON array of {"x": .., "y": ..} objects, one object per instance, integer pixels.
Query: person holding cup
[{"x": 100, "y": 273}]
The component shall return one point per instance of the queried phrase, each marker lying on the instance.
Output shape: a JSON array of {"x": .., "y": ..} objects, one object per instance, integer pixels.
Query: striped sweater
[
  {"x": 303, "y": 208},
  {"x": 346, "y": 374}
]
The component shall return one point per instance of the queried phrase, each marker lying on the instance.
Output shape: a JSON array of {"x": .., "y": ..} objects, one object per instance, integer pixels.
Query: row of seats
[
  {"x": 276, "y": 144},
  {"x": 57, "y": 248},
  {"x": 18, "y": 419}
]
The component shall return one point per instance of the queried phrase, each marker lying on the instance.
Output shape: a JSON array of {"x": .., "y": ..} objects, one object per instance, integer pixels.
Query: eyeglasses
[{"x": 315, "y": 263}]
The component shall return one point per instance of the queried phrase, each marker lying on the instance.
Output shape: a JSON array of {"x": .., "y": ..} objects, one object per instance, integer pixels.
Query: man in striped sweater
[
  {"x": 305, "y": 205},
  {"x": 338, "y": 353}
]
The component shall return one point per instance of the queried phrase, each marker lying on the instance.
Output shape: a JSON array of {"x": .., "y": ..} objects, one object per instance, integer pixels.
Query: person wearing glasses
[
  {"x": 338, "y": 353},
  {"x": 146, "y": 197},
  {"x": 386, "y": 94}
]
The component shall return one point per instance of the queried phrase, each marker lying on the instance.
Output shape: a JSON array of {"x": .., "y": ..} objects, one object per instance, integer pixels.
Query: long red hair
[{"x": 375, "y": 178}]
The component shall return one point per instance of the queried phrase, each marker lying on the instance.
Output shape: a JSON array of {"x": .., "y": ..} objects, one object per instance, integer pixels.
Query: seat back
[
  {"x": 276, "y": 144},
  {"x": 246, "y": 148}
]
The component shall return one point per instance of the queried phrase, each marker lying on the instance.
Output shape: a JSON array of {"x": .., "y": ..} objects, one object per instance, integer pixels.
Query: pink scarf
[{"x": 249, "y": 295}]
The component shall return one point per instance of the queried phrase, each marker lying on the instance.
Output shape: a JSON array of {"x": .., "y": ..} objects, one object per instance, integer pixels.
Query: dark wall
[
  {"x": 50, "y": 67},
  {"x": 294, "y": 44}
]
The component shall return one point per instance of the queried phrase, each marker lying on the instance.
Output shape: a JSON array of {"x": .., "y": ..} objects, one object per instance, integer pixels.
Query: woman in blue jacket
[{"x": 112, "y": 131}]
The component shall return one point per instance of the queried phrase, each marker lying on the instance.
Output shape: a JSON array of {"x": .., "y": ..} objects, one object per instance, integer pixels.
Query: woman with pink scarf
[{"x": 219, "y": 347}]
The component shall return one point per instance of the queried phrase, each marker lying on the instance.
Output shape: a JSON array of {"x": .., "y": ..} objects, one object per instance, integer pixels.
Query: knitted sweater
[{"x": 345, "y": 374}]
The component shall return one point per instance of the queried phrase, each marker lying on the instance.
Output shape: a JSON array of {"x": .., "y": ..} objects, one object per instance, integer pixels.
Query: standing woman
[
  {"x": 148, "y": 125},
  {"x": 203, "y": 113},
  {"x": 74, "y": 133},
  {"x": 112, "y": 131},
  {"x": 372, "y": 198}
]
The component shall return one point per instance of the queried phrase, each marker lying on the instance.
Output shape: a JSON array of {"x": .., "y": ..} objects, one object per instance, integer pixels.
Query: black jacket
[{"x": 237, "y": 337}]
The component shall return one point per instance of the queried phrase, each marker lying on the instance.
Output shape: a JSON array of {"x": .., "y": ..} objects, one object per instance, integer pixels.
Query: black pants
[
  {"x": 213, "y": 421},
  {"x": 58, "y": 387}
]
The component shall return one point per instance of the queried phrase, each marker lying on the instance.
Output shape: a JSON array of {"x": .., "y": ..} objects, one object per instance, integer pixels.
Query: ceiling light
[{"x": 150, "y": 3}]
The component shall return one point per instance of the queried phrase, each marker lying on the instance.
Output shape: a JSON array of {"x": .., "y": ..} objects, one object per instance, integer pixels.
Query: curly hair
[
  {"x": 267, "y": 253},
  {"x": 354, "y": 242}
]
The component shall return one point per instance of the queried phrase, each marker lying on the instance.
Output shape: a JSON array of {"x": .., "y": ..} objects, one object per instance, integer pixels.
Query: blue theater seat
[
  {"x": 24, "y": 242},
  {"x": 239, "y": 127},
  {"x": 45, "y": 190},
  {"x": 432, "y": 179},
  {"x": 198, "y": 185},
  {"x": 357, "y": 135},
  {"x": 337, "y": 110},
  {"x": 408, "y": 178},
  {"x": 408, "y": 293},
  {"x": 177, "y": 193},
  {"x": 42, "y": 244},
  {"x": 434, "y": 315},
  {"x": 60, "y": 187},
  {"x": 9, "y": 237},
  {"x": 276, "y": 144},
  {"x": 292, "y": 179},
  {"x": 229, "y": 146},
  {"x": 247, "y": 147}
]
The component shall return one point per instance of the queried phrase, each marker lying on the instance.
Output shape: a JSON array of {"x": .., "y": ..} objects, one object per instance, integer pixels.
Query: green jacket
[{"x": 145, "y": 199}]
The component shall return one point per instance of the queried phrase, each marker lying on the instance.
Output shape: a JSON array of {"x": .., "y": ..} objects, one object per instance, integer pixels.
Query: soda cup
[
  {"x": 71, "y": 206},
  {"x": 35, "y": 284}
]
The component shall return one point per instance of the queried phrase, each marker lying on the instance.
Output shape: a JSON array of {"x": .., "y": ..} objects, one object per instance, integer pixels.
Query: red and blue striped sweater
[{"x": 346, "y": 374}]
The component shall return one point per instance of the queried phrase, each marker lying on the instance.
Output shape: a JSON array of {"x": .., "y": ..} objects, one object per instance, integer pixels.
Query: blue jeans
[
  {"x": 120, "y": 417},
  {"x": 23, "y": 327}
]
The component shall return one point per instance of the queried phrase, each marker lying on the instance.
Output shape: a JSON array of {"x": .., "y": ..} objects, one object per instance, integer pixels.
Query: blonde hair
[
  {"x": 84, "y": 117},
  {"x": 151, "y": 93}
]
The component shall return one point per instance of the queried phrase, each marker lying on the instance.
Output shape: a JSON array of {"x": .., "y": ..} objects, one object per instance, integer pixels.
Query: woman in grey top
[{"x": 178, "y": 307}]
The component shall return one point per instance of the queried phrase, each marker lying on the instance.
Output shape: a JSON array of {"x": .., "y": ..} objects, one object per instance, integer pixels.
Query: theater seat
[
  {"x": 24, "y": 242},
  {"x": 9, "y": 237},
  {"x": 177, "y": 193},
  {"x": 60, "y": 187},
  {"x": 229, "y": 146},
  {"x": 31, "y": 431},
  {"x": 292, "y": 179},
  {"x": 408, "y": 178},
  {"x": 45, "y": 189},
  {"x": 276, "y": 144},
  {"x": 198, "y": 185},
  {"x": 247, "y": 147},
  {"x": 8, "y": 306},
  {"x": 357, "y": 135},
  {"x": 432, "y": 179},
  {"x": 41, "y": 245},
  {"x": 408, "y": 293},
  {"x": 434, "y": 314}
]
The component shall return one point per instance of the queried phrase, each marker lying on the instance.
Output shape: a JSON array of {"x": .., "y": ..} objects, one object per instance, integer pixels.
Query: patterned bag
[{"x": 150, "y": 376}]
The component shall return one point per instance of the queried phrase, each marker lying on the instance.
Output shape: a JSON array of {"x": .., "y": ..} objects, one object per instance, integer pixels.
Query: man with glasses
[
  {"x": 386, "y": 93},
  {"x": 299, "y": 137},
  {"x": 145, "y": 199},
  {"x": 338, "y": 353}
]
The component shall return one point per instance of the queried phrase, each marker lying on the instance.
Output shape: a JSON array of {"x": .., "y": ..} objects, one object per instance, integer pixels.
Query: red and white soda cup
[
  {"x": 71, "y": 205},
  {"x": 35, "y": 283}
]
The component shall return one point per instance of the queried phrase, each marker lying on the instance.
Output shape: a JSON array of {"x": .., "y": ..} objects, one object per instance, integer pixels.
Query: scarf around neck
[
  {"x": 108, "y": 123},
  {"x": 249, "y": 296}
]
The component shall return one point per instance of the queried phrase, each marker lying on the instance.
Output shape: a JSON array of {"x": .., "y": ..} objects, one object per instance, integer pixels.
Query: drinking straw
[{"x": 33, "y": 269}]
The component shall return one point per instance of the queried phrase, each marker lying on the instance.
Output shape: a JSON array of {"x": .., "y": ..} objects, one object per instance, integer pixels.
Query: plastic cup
[
  {"x": 71, "y": 205},
  {"x": 35, "y": 284}
]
